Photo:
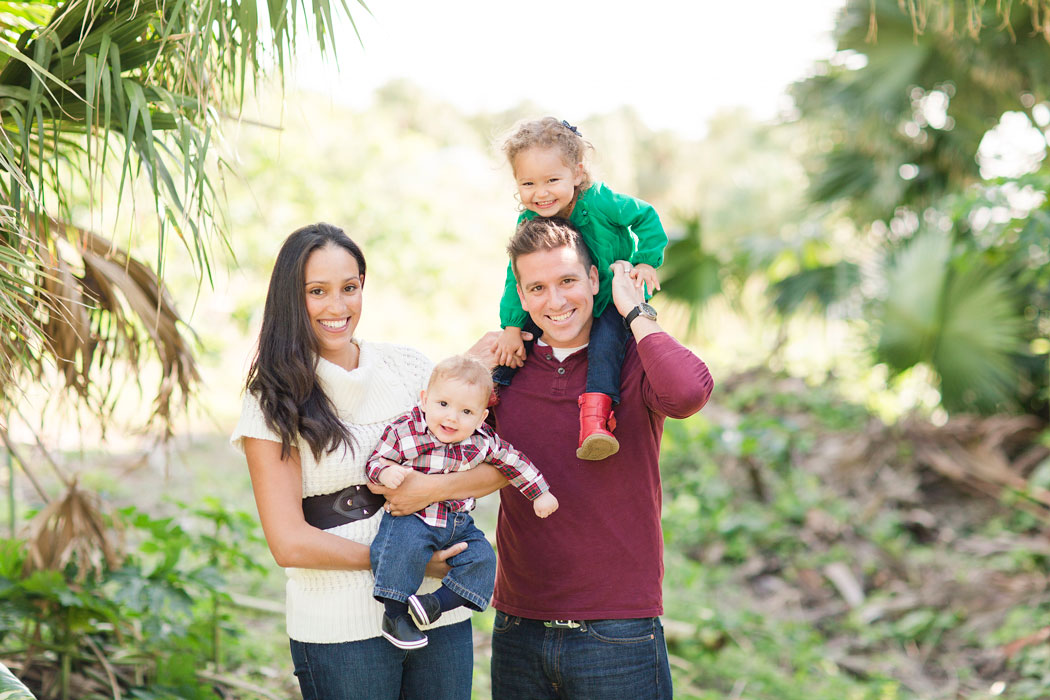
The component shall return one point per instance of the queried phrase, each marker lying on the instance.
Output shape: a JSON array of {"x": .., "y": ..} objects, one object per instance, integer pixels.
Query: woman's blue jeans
[
  {"x": 374, "y": 669},
  {"x": 599, "y": 660}
]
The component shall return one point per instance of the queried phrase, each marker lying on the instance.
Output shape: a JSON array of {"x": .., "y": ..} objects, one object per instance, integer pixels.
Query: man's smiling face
[{"x": 557, "y": 290}]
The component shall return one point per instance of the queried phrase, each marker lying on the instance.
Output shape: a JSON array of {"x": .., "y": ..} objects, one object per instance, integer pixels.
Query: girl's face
[
  {"x": 333, "y": 302},
  {"x": 546, "y": 184}
]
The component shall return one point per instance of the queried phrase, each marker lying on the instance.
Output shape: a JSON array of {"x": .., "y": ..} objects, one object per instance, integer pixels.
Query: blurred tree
[
  {"x": 900, "y": 119},
  {"x": 98, "y": 96},
  {"x": 969, "y": 16},
  {"x": 896, "y": 128}
]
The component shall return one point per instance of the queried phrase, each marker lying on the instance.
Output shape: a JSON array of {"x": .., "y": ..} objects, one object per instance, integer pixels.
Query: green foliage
[
  {"x": 710, "y": 516},
  {"x": 758, "y": 512},
  {"x": 956, "y": 313},
  {"x": 113, "y": 100},
  {"x": 158, "y": 618},
  {"x": 691, "y": 274},
  {"x": 922, "y": 101},
  {"x": 11, "y": 688},
  {"x": 950, "y": 263}
]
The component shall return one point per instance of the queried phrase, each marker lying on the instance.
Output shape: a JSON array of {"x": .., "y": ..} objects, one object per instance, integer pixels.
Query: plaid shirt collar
[{"x": 417, "y": 424}]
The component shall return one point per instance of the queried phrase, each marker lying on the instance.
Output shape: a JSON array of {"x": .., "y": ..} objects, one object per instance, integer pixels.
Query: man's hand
[
  {"x": 545, "y": 504},
  {"x": 437, "y": 567},
  {"x": 626, "y": 293},
  {"x": 411, "y": 496}
]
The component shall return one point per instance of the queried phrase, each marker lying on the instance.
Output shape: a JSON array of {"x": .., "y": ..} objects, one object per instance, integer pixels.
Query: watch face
[{"x": 647, "y": 311}]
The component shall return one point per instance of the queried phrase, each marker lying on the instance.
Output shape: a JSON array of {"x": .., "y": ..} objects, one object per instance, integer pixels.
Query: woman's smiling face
[{"x": 333, "y": 301}]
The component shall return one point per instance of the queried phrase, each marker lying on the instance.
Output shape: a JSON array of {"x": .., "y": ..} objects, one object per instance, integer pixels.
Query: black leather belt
[{"x": 350, "y": 504}]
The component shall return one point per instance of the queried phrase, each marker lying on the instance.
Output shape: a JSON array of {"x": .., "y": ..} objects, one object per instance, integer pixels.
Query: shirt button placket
[{"x": 559, "y": 381}]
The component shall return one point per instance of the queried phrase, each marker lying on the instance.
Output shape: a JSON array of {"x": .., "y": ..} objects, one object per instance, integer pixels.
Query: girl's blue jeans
[{"x": 604, "y": 354}]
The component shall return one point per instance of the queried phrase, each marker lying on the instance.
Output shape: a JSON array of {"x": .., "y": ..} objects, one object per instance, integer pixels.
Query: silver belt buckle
[{"x": 561, "y": 624}]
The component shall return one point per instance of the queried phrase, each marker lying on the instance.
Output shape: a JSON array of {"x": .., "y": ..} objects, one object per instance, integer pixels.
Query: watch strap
[{"x": 633, "y": 314}]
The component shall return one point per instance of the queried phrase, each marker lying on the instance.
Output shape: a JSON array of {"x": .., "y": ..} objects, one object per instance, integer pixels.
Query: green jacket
[{"x": 614, "y": 227}]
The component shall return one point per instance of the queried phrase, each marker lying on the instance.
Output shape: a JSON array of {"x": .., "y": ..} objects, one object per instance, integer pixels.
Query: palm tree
[
  {"x": 904, "y": 128},
  {"x": 896, "y": 141},
  {"x": 96, "y": 96}
]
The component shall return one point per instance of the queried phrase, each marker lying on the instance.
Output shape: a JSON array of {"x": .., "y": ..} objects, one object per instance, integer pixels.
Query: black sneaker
[
  {"x": 425, "y": 609},
  {"x": 402, "y": 633}
]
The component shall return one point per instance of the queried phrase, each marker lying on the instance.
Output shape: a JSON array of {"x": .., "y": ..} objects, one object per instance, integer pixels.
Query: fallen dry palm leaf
[
  {"x": 977, "y": 453},
  {"x": 71, "y": 529}
]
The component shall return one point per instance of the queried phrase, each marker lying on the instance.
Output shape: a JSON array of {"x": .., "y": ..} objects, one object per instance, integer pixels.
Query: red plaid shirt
[{"x": 409, "y": 442}]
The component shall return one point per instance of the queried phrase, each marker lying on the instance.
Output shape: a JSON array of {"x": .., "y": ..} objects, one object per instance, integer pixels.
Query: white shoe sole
[{"x": 406, "y": 645}]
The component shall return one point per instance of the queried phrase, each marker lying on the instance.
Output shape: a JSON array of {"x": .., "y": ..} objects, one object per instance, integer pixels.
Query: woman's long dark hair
[{"x": 283, "y": 375}]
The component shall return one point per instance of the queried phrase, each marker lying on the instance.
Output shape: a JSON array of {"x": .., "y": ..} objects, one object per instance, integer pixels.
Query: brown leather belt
[{"x": 334, "y": 509}]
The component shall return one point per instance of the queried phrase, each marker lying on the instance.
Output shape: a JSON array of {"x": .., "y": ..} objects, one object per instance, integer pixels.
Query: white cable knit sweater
[{"x": 337, "y": 606}]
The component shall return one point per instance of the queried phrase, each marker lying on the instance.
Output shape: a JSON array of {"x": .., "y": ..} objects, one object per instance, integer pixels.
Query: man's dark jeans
[{"x": 599, "y": 660}]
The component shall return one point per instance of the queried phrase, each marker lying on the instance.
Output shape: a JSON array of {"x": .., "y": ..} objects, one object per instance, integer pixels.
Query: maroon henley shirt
[{"x": 600, "y": 555}]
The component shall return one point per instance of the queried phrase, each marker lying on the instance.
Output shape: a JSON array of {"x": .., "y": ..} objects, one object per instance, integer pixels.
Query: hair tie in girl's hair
[{"x": 571, "y": 128}]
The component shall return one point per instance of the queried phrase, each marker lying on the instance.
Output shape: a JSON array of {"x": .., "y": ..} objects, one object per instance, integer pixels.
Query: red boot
[{"x": 596, "y": 423}]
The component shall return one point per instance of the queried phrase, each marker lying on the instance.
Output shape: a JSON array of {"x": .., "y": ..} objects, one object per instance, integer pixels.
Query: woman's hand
[{"x": 437, "y": 567}]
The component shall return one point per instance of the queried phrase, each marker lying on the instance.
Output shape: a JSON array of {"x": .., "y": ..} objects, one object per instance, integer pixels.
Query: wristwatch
[{"x": 643, "y": 310}]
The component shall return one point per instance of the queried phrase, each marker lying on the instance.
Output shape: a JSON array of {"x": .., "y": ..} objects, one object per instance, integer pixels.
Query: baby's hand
[
  {"x": 545, "y": 505},
  {"x": 509, "y": 350},
  {"x": 391, "y": 477},
  {"x": 647, "y": 274}
]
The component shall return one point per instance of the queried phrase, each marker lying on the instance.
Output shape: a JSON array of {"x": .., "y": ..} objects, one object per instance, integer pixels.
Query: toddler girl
[{"x": 547, "y": 159}]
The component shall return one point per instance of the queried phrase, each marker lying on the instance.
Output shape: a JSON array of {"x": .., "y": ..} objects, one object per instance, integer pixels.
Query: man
[{"x": 578, "y": 595}]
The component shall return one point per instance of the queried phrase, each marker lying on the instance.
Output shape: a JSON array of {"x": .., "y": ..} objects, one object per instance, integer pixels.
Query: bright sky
[{"x": 676, "y": 61}]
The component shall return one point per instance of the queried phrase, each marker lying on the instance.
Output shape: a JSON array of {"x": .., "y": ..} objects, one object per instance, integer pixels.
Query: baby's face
[{"x": 454, "y": 409}]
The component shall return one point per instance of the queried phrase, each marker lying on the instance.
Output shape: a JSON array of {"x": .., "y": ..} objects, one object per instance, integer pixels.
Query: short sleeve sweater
[{"x": 337, "y": 606}]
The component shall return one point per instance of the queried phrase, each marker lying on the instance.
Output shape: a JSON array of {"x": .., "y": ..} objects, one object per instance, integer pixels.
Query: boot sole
[
  {"x": 400, "y": 644},
  {"x": 597, "y": 447},
  {"x": 419, "y": 615}
]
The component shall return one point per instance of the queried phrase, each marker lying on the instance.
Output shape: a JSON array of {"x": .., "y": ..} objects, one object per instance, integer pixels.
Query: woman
[{"x": 317, "y": 401}]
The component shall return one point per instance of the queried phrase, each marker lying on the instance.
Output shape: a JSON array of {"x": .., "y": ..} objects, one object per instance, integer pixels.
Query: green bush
[{"x": 154, "y": 620}]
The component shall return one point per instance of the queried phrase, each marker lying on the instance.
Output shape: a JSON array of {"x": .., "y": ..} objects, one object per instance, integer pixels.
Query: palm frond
[
  {"x": 823, "y": 285},
  {"x": 948, "y": 309},
  {"x": 690, "y": 276},
  {"x": 71, "y": 531},
  {"x": 971, "y": 17},
  {"x": 121, "y": 92},
  {"x": 11, "y": 688}
]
